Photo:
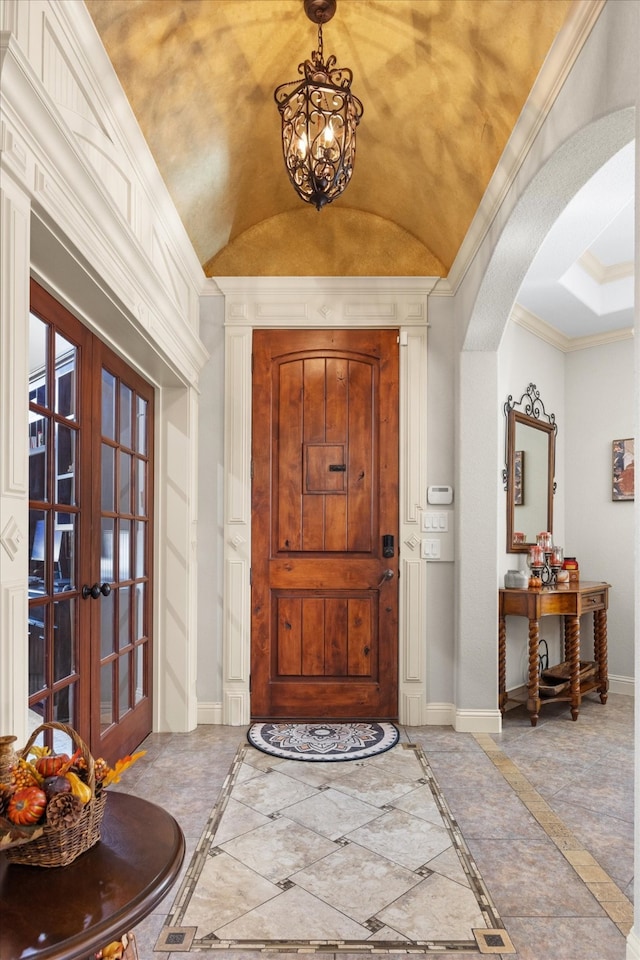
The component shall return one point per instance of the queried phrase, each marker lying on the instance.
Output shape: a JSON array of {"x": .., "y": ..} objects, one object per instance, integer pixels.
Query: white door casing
[{"x": 329, "y": 302}]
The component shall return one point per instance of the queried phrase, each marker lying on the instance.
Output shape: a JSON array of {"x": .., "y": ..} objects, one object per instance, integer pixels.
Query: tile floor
[
  {"x": 326, "y": 856},
  {"x": 546, "y": 813}
]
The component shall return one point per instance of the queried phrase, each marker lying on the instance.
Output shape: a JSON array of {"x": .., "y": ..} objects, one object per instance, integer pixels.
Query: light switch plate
[
  {"x": 430, "y": 550},
  {"x": 432, "y": 522}
]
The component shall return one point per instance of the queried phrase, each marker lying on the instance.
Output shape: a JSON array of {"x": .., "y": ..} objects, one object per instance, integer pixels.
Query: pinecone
[
  {"x": 64, "y": 810},
  {"x": 5, "y": 794}
]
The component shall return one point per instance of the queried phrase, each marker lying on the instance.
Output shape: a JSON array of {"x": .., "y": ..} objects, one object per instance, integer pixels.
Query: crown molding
[
  {"x": 367, "y": 286},
  {"x": 544, "y": 331},
  {"x": 602, "y": 273}
]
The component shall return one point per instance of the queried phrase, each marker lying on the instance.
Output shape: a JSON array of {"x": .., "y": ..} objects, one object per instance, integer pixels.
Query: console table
[
  {"x": 68, "y": 913},
  {"x": 569, "y": 600}
]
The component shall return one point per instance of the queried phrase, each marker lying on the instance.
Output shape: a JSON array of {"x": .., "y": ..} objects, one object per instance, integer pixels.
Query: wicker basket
[{"x": 59, "y": 846}]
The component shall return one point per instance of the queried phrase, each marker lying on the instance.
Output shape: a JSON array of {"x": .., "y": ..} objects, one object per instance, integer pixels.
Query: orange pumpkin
[
  {"x": 49, "y": 766},
  {"x": 27, "y": 805}
]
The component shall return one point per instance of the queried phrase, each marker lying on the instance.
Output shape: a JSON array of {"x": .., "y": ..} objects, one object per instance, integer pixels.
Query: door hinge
[
  {"x": 250, "y": 577},
  {"x": 251, "y": 469}
]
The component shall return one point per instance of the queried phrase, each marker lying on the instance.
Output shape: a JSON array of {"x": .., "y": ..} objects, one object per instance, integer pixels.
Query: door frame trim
[{"x": 348, "y": 303}]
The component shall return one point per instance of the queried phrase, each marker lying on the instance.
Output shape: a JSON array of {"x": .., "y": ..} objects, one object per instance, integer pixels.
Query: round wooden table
[{"x": 68, "y": 913}]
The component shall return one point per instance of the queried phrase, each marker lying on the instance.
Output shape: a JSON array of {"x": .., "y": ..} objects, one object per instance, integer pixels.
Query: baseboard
[
  {"x": 446, "y": 715},
  {"x": 633, "y": 945},
  {"x": 440, "y": 714},
  {"x": 624, "y": 685},
  {"x": 478, "y": 721},
  {"x": 209, "y": 713}
]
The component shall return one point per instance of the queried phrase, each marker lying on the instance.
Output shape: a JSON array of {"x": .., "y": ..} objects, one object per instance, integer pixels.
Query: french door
[{"x": 90, "y": 534}]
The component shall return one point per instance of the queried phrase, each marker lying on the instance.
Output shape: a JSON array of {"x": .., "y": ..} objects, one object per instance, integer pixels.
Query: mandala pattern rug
[
  {"x": 323, "y": 741},
  {"x": 333, "y": 857}
]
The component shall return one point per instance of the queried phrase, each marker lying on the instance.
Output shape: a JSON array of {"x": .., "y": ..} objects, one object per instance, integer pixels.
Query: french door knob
[{"x": 95, "y": 591}]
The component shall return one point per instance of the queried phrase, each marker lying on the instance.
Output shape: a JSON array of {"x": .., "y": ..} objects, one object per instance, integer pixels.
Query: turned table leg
[
  {"x": 572, "y": 656},
  {"x": 600, "y": 651},
  {"x": 533, "y": 702},
  {"x": 502, "y": 665}
]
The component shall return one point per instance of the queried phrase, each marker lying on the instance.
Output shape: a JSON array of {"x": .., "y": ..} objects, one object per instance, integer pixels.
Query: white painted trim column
[
  {"x": 14, "y": 456},
  {"x": 324, "y": 303}
]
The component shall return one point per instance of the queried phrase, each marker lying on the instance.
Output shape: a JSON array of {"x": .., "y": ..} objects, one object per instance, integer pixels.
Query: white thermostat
[{"x": 440, "y": 494}]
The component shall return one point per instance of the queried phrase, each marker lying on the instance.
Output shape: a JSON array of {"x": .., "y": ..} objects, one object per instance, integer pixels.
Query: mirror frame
[{"x": 530, "y": 411}]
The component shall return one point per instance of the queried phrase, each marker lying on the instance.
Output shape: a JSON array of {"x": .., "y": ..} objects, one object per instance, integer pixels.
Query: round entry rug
[{"x": 323, "y": 741}]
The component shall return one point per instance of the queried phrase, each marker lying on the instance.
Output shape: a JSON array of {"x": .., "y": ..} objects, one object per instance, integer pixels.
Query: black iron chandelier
[{"x": 319, "y": 119}]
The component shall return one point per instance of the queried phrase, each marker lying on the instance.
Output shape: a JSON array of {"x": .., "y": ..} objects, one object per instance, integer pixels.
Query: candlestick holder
[{"x": 545, "y": 564}]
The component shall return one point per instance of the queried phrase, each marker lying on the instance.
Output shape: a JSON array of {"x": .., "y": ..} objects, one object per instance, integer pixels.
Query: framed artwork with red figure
[{"x": 623, "y": 470}]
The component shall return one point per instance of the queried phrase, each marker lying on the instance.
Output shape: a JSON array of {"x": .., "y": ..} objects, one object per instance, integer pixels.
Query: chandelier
[{"x": 319, "y": 119}]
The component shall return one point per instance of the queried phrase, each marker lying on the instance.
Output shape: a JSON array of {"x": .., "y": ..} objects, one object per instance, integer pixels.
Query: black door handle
[{"x": 95, "y": 591}]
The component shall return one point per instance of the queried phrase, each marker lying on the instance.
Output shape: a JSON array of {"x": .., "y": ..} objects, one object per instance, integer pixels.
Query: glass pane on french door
[
  {"x": 53, "y": 623},
  {"x": 125, "y": 549}
]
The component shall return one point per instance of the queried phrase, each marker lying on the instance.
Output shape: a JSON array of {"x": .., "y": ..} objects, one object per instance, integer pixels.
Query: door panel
[
  {"x": 325, "y": 488},
  {"x": 122, "y": 663},
  {"x": 59, "y": 417}
]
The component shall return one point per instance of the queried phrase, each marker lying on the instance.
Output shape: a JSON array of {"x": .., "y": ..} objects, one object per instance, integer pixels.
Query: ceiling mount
[{"x": 320, "y": 11}]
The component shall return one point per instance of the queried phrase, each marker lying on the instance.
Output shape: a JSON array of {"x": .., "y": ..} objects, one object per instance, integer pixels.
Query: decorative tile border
[
  {"x": 612, "y": 900},
  {"x": 492, "y": 940}
]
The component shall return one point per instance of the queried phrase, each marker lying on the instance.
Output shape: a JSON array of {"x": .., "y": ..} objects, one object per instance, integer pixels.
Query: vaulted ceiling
[{"x": 442, "y": 82}]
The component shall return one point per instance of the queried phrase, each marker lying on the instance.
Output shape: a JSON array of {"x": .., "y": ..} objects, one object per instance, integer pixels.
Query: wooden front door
[{"x": 325, "y": 525}]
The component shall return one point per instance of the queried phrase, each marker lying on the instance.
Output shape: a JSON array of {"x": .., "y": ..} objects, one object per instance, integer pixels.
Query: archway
[{"x": 479, "y": 418}]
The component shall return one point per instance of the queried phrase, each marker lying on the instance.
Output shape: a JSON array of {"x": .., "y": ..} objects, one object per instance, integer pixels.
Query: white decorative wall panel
[
  {"x": 236, "y": 600},
  {"x": 114, "y": 180},
  {"x": 238, "y": 426},
  {"x": 167, "y": 266},
  {"x": 412, "y": 709},
  {"x": 413, "y": 403},
  {"x": 372, "y": 311},
  {"x": 13, "y": 660},
  {"x": 281, "y": 312},
  {"x": 61, "y": 81},
  {"x": 11, "y": 538},
  {"x": 14, "y": 302},
  {"x": 412, "y": 654}
]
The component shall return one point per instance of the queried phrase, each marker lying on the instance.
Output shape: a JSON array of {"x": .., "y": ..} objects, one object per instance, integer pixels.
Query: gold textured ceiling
[{"x": 442, "y": 83}]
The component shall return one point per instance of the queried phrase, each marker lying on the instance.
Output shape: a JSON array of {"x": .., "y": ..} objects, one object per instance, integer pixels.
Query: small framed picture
[
  {"x": 518, "y": 478},
  {"x": 622, "y": 470}
]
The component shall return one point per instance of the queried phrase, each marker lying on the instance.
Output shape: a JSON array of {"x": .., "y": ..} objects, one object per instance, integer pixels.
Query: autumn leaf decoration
[{"x": 114, "y": 773}]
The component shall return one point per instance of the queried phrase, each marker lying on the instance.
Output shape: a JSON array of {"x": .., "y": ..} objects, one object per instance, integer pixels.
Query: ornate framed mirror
[{"x": 528, "y": 476}]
